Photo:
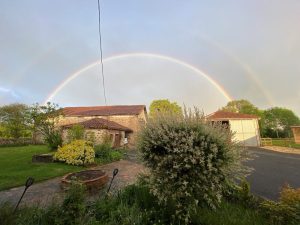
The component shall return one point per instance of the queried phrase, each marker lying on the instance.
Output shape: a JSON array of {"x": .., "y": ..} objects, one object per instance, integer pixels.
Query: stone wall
[
  {"x": 98, "y": 134},
  {"x": 20, "y": 141}
]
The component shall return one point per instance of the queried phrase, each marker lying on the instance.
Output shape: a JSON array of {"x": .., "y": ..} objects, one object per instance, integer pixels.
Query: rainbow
[
  {"x": 145, "y": 55},
  {"x": 252, "y": 75}
]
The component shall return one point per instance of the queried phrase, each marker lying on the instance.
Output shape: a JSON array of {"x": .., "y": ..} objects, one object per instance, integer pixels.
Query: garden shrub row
[
  {"x": 136, "y": 205},
  {"x": 12, "y": 142}
]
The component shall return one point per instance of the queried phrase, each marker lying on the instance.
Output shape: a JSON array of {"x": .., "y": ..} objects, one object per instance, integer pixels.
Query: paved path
[
  {"x": 45, "y": 192},
  {"x": 272, "y": 170}
]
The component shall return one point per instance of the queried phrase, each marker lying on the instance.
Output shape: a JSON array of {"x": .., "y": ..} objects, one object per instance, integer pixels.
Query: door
[
  {"x": 246, "y": 132},
  {"x": 117, "y": 142}
]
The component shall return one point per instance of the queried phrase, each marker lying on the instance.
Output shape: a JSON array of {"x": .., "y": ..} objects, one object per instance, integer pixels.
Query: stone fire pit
[{"x": 92, "y": 179}]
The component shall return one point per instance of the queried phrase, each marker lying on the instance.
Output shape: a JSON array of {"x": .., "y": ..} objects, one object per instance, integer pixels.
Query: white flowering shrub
[{"x": 190, "y": 161}]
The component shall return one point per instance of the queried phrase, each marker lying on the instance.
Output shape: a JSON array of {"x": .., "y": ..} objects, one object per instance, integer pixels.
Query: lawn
[
  {"x": 16, "y": 166},
  {"x": 285, "y": 143}
]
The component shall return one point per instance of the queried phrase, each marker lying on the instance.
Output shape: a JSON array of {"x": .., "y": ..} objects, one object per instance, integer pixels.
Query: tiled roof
[
  {"x": 104, "y": 110},
  {"x": 99, "y": 123},
  {"x": 220, "y": 115}
]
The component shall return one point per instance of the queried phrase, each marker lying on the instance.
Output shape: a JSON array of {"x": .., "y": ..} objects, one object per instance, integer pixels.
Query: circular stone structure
[{"x": 92, "y": 179}]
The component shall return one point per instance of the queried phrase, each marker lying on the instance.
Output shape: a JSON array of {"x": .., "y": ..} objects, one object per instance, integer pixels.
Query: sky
[{"x": 197, "y": 53}]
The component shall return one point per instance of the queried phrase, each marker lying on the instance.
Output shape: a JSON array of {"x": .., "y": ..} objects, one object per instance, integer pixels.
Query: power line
[{"x": 101, "y": 54}]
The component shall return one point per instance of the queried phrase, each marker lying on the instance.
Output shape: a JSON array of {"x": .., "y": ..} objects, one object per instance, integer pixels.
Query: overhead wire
[{"x": 101, "y": 52}]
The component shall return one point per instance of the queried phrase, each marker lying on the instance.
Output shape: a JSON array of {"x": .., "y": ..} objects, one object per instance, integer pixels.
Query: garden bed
[{"x": 92, "y": 179}]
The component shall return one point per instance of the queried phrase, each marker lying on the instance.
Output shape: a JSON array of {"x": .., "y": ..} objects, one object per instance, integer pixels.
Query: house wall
[
  {"x": 134, "y": 122},
  {"x": 99, "y": 135},
  {"x": 246, "y": 131}
]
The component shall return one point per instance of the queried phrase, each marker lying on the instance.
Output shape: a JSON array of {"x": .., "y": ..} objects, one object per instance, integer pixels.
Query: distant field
[{"x": 16, "y": 166}]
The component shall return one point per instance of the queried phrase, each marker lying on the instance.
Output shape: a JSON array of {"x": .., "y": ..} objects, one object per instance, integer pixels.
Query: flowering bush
[
  {"x": 287, "y": 210},
  {"x": 78, "y": 152},
  {"x": 190, "y": 161}
]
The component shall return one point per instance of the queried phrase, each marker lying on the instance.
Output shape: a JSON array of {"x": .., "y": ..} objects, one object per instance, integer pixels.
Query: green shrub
[
  {"x": 102, "y": 151},
  {"x": 6, "y": 214},
  {"x": 78, "y": 152},
  {"x": 76, "y": 132},
  {"x": 228, "y": 214},
  {"x": 287, "y": 210},
  {"x": 241, "y": 194},
  {"x": 133, "y": 205},
  {"x": 73, "y": 211},
  {"x": 106, "y": 154},
  {"x": 74, "y": 206},
  {"x": 189, "y": 160},
  {"x": 54, "y": 140},
  {"x": 116, "y": 155}
]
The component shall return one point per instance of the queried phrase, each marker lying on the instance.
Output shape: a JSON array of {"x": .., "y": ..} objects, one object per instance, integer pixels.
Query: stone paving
[{"x": 44, "y": 193}]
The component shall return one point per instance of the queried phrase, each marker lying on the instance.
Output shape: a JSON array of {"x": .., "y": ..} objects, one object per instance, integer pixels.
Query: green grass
[
  {"x": 133, "y": 205},
  {"x": 136, "y": 205},
  {"x": 16, "y": 166},
  {"x": 285, "y": 143},
  {"x": 229, "y": 214}
]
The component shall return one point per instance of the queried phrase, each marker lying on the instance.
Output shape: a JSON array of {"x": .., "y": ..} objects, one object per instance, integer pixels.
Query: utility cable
[{"x": 101, "y": 52}]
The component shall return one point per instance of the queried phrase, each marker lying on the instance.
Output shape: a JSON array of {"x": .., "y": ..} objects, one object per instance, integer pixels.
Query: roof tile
[
  {"x": 99, "y": 123},
  {"x": 219, "y": 115},
  {"x": 104, "y": 110}
]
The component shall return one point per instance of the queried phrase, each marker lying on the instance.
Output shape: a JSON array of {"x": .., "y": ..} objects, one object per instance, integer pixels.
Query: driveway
[{"x": 271, "y": 171}]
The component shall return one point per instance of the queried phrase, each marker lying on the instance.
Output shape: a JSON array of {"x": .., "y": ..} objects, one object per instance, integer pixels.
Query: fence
[
  {"x": 286, "y": 142},
  {"x": 266, "y": 141}
]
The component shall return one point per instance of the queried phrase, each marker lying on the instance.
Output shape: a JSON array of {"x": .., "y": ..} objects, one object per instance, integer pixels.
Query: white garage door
[{"x": 246, "y": 131}]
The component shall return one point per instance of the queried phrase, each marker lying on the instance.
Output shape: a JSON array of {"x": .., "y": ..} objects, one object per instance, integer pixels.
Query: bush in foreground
[
  {"x": 287, "y": 210},
  {"x": 133, "y": 205},
  {"x": 190, "y": 161}
]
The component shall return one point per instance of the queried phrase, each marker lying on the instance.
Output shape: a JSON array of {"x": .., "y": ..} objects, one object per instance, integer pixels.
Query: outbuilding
[
  {"x": 244, "y": 126},
  {"x": 296, "y": 133}
]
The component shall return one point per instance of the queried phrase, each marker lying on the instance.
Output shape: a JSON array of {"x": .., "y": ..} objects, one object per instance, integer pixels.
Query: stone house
[{"x": 120, "y": 122}]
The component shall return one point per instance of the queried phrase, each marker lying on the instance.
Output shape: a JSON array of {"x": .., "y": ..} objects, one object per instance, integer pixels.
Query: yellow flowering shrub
[{"x": 78, "y": 152}]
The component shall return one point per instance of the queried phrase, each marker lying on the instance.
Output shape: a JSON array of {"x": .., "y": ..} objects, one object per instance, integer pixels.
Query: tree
[
  {"x": 13, "y": 119},
  {"x": 76, "y": 132},
  {"x": 242, "y": 106},
  {"x": 164, "y": 106},
  {"x": 278, "y": 121},
  {"x": 43, "y": 119}
]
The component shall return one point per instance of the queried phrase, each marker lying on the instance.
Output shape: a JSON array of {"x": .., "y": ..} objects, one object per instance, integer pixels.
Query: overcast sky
[{"x": 180, "y": 50}]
